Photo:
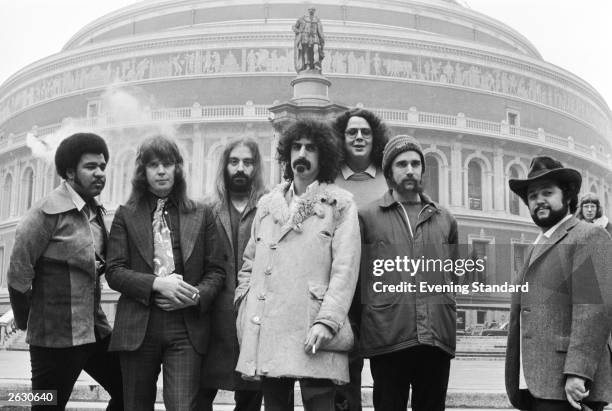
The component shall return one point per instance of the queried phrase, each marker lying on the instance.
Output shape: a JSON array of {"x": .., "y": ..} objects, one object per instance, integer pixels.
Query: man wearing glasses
[{"x": 363, "y": 137}]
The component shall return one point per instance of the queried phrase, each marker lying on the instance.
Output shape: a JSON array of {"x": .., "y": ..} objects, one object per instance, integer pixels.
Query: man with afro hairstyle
[{"x": 54, "y": 277}]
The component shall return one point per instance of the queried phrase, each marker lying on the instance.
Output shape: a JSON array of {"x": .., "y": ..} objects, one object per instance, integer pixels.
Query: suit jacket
[
  {"x": 222, "y": 356},
  {"x": 564, "y": 317},
  {"x": 130, "y": 271}
]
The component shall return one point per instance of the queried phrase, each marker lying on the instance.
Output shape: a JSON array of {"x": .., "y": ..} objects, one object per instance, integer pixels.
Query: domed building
[{"x": 475, "y": 92}]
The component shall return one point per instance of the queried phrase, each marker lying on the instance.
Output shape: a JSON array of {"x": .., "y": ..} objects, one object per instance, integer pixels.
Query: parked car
[{"x": 502, "y": 330}]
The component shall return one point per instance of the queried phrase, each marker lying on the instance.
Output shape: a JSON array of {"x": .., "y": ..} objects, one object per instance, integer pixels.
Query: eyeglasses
[{"x": 366, "y": 133}]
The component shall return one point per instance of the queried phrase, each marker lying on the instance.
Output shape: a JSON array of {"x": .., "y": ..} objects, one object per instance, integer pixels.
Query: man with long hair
[
  {"x": 591, "y": 211},
  {"x": 239, "y": 187},
  {"x": 299, "y": 275},
  {"x": 558, "y": 358},
  {"x": 162, "y": 258},
  {"x": 54, "y": 277},
  {"x": 363, "y": 136}
]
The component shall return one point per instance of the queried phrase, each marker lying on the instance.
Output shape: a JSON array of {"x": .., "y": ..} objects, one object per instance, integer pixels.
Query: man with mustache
[
  {"x": 164, "y": 260},
  {"x": 54, "y": 277},
  {"x": 239, "y": 187},
  {"x": 363, "y": 137},
  {"x": 299, "y": 275},
  {"x": 409, "y": 336},
  {"x": 558, "y": 357}
]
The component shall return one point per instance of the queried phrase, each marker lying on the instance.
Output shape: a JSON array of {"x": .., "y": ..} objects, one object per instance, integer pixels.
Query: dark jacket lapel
[
  {"x": 142, "y": 230},
  {"x": 222, "y": 213},
  {"x": 190, "y": 225}
]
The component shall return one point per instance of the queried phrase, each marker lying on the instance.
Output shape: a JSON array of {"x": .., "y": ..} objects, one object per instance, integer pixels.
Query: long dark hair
[
  {"x": 380, "y": 134},
  {"x": 258, "y": 187},
  {"x": 322, "y": 135},
  {"x": 165, "y": 150}
]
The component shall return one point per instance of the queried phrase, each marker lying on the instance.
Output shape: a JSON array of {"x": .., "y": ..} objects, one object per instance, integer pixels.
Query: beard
[
  {"x": 554, "y": 216},
  {"x": 239, "y": 182},
  {"x": 401, "y": 188}
]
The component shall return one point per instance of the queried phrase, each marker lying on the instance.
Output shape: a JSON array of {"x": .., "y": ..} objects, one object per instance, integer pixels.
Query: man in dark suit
[
  {"x": 557, "y": 357},
  {"x": 161, "y": 259},
  {"x": 239, "y": 186}
]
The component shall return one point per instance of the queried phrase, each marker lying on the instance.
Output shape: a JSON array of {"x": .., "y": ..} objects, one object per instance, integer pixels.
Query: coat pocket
[{"x": 344, "y": 340}]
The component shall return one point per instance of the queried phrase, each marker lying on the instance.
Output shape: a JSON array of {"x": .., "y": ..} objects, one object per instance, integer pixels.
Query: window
[
  {"x": 27, "y": 186},
  {"x": 513, "y": 118},
  {"x": 515, "y": 201},
  {"x": 481, "y": 317},
  {"x": 480, "y": 251},
  {"x": 431, "y": 178},
  {"x": 474, "y": 186},
  {"x": 3, "y": 283},
  {"x": 7, "y": 196},
  {"x": 93, "y": 109},
  {"x": 519, "y": 256}
]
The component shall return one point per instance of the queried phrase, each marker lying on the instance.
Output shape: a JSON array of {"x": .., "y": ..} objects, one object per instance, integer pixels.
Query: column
[{"x": 456, "y": 175}]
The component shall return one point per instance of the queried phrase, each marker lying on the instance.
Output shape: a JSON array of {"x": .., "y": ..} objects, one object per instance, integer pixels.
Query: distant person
[{"x": 591, "y": 211}]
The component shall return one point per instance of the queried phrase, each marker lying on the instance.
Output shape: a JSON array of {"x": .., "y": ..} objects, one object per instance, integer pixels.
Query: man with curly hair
[
  {"x": 363, "y": 136},
  {"x": 299, "y": 276}
]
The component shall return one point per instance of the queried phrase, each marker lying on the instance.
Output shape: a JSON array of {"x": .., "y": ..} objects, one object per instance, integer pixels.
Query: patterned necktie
[{"x": 163, "y": 259}]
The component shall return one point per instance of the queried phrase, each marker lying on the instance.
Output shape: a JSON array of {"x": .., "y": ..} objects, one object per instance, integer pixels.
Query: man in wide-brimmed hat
[{"x": 557, "y": 356}]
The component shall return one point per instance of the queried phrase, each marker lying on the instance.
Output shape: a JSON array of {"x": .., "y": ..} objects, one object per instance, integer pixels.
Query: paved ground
[{"x": 466, "y": 374}]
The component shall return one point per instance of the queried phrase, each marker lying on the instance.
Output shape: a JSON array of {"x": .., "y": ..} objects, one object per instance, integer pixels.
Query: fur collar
[
  {"x": 312, "y": 203},
  {"x": 601, "y": 221}
]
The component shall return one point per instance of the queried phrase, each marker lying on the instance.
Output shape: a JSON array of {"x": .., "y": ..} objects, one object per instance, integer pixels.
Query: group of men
[{"x": 255, "y": 290}]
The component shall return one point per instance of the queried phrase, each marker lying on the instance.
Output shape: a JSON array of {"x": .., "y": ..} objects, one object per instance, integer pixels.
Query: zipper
[{"x": 408, "y": 219}]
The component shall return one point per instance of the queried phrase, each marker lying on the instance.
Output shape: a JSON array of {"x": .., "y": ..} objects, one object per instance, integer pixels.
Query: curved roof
[{"x": 444, "y": 18}]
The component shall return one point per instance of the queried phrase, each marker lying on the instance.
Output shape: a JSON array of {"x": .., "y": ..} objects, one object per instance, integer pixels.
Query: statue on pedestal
[{"x": 308, "y": 39}]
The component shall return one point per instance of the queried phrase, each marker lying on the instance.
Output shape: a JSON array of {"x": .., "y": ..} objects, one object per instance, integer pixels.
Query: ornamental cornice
[
  {"x": 58, "y": 63},
  {"x": 438, "y": 10},
  {"x": 111, "y": 64}
]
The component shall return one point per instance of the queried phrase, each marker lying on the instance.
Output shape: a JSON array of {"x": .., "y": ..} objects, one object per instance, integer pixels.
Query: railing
[
  {"x": 260, "y": 112},
  {"x": 7, "y": 328}
]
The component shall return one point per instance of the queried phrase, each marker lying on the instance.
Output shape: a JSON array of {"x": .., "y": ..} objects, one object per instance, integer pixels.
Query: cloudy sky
[{"x": 570, "y": 34}]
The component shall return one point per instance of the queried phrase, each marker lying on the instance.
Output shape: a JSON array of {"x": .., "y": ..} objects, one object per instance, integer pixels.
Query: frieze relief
[{"x": 280, "y": 60}]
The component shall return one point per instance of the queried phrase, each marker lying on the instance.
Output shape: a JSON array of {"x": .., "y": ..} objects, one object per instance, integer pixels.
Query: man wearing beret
[
  {"x": 54, "y": 277},
  {"x": 558, "y": 358},
  {"x": 408, "y": 336}
]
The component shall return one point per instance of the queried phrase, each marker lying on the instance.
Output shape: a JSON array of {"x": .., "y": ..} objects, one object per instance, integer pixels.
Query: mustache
[
  {"x": 301, "y": 162},
  {"x": 239, "y": 174}
]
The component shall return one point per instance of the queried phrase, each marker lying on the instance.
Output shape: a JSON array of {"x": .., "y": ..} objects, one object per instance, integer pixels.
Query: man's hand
[
  {"x": 575, "y": 391},
  {"x": 318, "y": 335},
  {"x": 174, "y": 293},
  {"x": 168, "y": 305}
]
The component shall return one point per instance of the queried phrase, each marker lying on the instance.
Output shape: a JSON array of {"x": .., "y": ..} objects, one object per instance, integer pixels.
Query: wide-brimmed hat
[{"x": 544, "y": 167}]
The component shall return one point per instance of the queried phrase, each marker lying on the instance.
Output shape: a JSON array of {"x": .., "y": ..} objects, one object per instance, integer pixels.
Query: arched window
[
  {"x": 515, "y": 201},
  {"x": 27, "y": 188},
  {"x": 7, "y": 196},
  {"x": 431, "y": 179},
  {"x": 474, "y": 185},
  {"x": 594, "y": 189}
]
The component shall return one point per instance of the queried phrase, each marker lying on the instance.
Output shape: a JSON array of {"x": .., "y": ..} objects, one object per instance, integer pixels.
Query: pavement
[{"x": 474, "y": 385}]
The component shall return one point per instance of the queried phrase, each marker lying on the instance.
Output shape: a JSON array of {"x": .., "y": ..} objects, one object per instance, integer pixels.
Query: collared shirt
[
  {"x": 92, "y": 216},
  {"x": 542, "y": 237},
  {"x": 366, "y": 174}
]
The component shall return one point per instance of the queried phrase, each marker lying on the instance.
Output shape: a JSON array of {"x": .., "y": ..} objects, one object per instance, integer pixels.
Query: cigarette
[
  {"x": 193, "y": 297},
  {"x": 314, "y": 350}
]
